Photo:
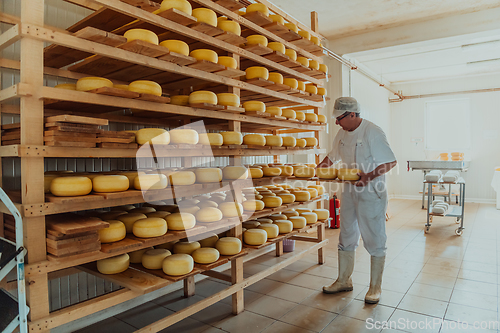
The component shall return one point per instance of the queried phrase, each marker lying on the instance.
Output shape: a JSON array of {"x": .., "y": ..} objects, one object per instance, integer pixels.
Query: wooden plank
[
  {"x": 277, "y": 56},
  {"x": 178, "y": 16},
  {"x": 144, "y": 48},
  {"x": 207, "y": 66},
  {"x": 206, "y": 29},
  {"x": 110, "y": 91},
  {"x": 233, "y": 109},
  {"x": 206, "y": 267},
  {"x": 61, "y": 253},
  {"x": 154, "y": 98},
  {"x": 260, "y": 82},
  {"x": 70, "y": 200},
  {"x": 231, "y": 72},
  {"x": 116, "y": 140},
  {"x": 232, "y": 5},
  {"x": 302, "y": 42},
  {"x": 70, "y": 144},
  {"x": 282, "y": 31},
  {"x": 73, "y": 224},
  {"x": 69, "y": 139},
  {"x": 125, "y": 244},
  {"x": 207, "y": 106},
  {"x": 258, "y": 49},
  {"x": 159, "y": 273},
  {"x": 11, "y": 126},
  {"x": 115, "y": 134},
  {"x": 117, "y": 145},
  {"x": 69, "y": 134},
  {"x": 77, "y": 119},
  {"x": 258, "y": 18},
  {"x": 177, "y": 58},
  {"x": 74, "y": 242}
]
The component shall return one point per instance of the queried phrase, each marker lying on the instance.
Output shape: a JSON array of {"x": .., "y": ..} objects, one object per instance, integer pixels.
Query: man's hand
[{"x": 364, "y": 179}]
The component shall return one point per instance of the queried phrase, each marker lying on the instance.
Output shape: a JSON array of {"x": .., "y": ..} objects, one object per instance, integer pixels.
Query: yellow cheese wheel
[
  {"x": 302, "y": 196},
  {"x": 272, "y": 202},
  {"x": 276, "y": 217},
  {"x": 150, "y": 227},
  {"x": 292, "y": 54},
  {"x": 315, "y": 40},
  {"x": 271, "y": 229},
  {"x": 290, "y": 213},
  {"x": 208, "y": 215},
  {"x": 311, "y": 217},
  {"x": 311, "y": 117},
  {"x": 91, "y": 83},
  {"x": 156, "y": 136},
  {"x": 322, "y": 118},
  {"x": 289, "y": 141},
  {"x": 253, "y": 224},
  {"x": 135, "y": 257},
  {"x": 314, "y": 64},
  {"x": 255, "y": 72},
  {"x": 235, "y": 172},
  {"x": 114, "y": 233},
  {"x": 255, "y": 237},
  {"x": 258, "y": 7},
  {"x": 319, "y": 188},
  {"x": 275, "y": 110},
  {"x": 228, "y": 246},
  {"x": 253, "y": 205},
  {"x": 229, "y": 26},
  {"x": 228, "y": 99},
  {"x": 145, "y": 87},
  {"x": 232, "y": 138},
  {"x": 323, "y": 214},
  {"x": 182, "y": 100},
  {"x": 183, "y": 136},
  {"x": 141, "y": 34},
  {"x": 276, "y": 46},
  {"x": 276, "y": 78},
  {"x": 257, "y": 40},
  {"x": 178, "y": 264},
  {"x": 147, "y": 182},
  {"x": 204, "y": 54},
  {"x": 292, "y": 27},
  {"x": 274, "y": 141},
  {"x": 254, "y": 140},
  {"x": 182, "y": 178},
  {"x": 251, "y": 106},
  {"x": 182, "y": 5},
  {"x": 160, "y": 214},
  {"x": 301, "y": 143},
  {"x": 212, "y": 139},
  {"x": 278, "y": 19},
  {"x": 205, "y": 15},
  {"x": 312, "y": 191},
  {"x": 298, "y": 222},
  {"x": 321, "y": 92},
  {"x": 113, "y": 265},
  {"x": 208, "y": 175},
  {"x": 47, "y": 180},
  {"x": 271, "y": 172},
  {"x": 299, "y": 115},
  {"x": 287, "y": 198},
  {"x": 303, "y": 210},
  {"x": 289, "y": 113},
  {"x": 348, "y": 174},
  {"x": 305, "y": 34},
  {"x": 153, "y": 259},
  {"x": 129, "y": 220},
  {"x": 311, "y": 142},
  {"x": 292, "y": 83},
  {"x": 286, "y": 170},
  {"x": 205, "y": 255},
  {"x": 304, "y": 172},
  {"x": 110, "y": 183},
  {"x": 180, "y": 221},
  {"x": 256, "y": 173},
  {"x": 326, "y": 173},
  {"x": 301, "y": 85},
  {"x": 202, "y": 96},
  {"x": 228, "y": 62},
  {"x": 70, "y": 186},
  {"x": 121, "y": 86},
  {"x": 177, "y": 46},
  {"x": 312, "y": 89},
  {"x": 284, "y": 226},
  {"x": 209, "y": 241},
  {"x": 67, "y": 86},
  {"x": 231, "y": 209},
  {"x": 323, "y": 68},
  {"x": 186, "y": 247},
  {"x": 303, "y": 61}
]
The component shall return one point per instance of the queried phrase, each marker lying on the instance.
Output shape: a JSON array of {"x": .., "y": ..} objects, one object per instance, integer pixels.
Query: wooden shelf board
[
  {"x": 177, "y": 58},
  {"x": 282, "y": 31},
  {"x": 232, "y": 5},
  {"x": 231, "y": 38},
  {"x": 258, "y": 18},
  {"x": 159, "y": 273},
  {"x": 260, "y": 82},
  {"x": 178, "y": 16},
  {"x": 258, "y": 49},
  {"x": 125, "y": 244},
  {"x": 277, "y": 57},
  {"x": 270, "y": 241},
  {"x": 207, "y": 29},
  {"x": 231, "y": 72},
  {"x": 207, "y": 66}
]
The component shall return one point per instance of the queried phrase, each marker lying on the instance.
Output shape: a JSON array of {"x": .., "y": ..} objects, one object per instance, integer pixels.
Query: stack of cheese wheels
[
  {"x": 348, "y": 174},
  {"x": 319, "y": 188},
  {"x": 326, "y": 173},
  {"x": 182, "y": 178},
  {"x": 205, "y": 15},
  {"x": 276, "y": 78},
  {"x": 114, "y": 233},
  {"x": 289, "y": 141},
  {"x": 254, "y": 106},
  {"x": 310, "y": 217},
  {"x": 184, "y": 136},
  {"x": 156, "y": 136},
  {"x": 141, "y": 34},
  {"x": 186, "y": 247},
  {"x": 274, "y": 110},
  {"x": 253, "y": 205},
  {"x": 229, "y": 62},
  {"x": 205, "y": 255},
  {"x": 311, "y": 142},
  {"x": 204, "y": 54},
  {"x": 292, "y": 54},
  {"x": 145, "y": 87},
  {"x": 232, "y": 138},
  {"x": 182, "y": 5},
  {"x": 272, "y": 201},
  {"x": 271, "y": 171},
  {"x": 153, "y": 259},
  {"x": 258, "y": 7},
  {"x": 110, "y": 183},
  {"x": 288, "y": 113},
  {"x": 255, "y": 237},
  {"x": 91, "y": 83},
  {"x": 303, "y": 172},
  {"x": 130, "y": 219},
  {"x": 152, "y": 181},
  {"x": 287, "y": 198},
  {"x": 298, "y": 222},
  {"x": 229, "y": 26},
  {"x": 271, "y": 229},
  {"x": 256, "y": 173},
  {"x": 235, "y": 172},
  {"x": 178, "y": 264},
  {"x": 257, "y": 72},
  {"x": 276, "y": 46},
  {"x": 274, "y": 141},
  {"x": 177, "y": 46},
  {"x": 70, "y": 186},
  {"x": 302, "y": 196},
  {"x": 231, "y": 209},
  {"x": 257, "y": 40},
  {"x": 254, "y": 140},
  {"x": 322, "y": 214},
  {"x": 209, "y": 215},
  {"x": 208, "y": 175},
  {"x": 180, "y": 221},
  {"x": 202, "y": 97},
  {"x": 228, "y": 99},
  {"x": 211, "y": 139},
  {"x": 150, "y": 227},
  {"x": 285, "y": 226},
  {"x": 113, "y": 265},
  {"x": 136, "y": 256},
  {"x": 228, "y": 246},
  {"x": 209, "y": 241}
]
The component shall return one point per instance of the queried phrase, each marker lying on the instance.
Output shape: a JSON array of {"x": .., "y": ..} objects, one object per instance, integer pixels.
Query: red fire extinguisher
[{"x": 335, "y": 212}]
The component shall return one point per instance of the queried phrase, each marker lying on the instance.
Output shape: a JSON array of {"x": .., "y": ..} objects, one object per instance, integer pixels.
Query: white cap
[{"x": 345, "y": 104}]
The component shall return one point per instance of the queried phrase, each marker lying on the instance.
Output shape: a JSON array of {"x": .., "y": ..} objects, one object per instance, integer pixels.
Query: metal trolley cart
[{"x": 455, "y": 211}]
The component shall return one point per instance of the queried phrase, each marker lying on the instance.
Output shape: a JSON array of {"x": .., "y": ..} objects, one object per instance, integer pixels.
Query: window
[{"x": 447, "y": 125}]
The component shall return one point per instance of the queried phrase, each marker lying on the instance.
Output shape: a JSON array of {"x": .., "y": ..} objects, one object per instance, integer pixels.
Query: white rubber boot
[
  {"x": 376, "y": 271},
  {"x": 343, "y": 282}
]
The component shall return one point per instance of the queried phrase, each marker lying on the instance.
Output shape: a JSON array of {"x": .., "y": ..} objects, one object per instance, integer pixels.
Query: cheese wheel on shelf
[
  {"x": 264, "y": 220},
  {"x": 180, "y": 221},
  {"x": 228, "y": 246},
  {"x": 313, "y": 117},
  {"x": 302, "y": 196},
  {"x": 256, "y": 173},
  {"x": 228, "y": 99},
  {"x": 299, "y": 115},
  {"x": 304, "y": 172},
  {"x": 186, "y": 247},
  {"x": 276, "y": 46},
  {"x": 253, "y": 205},
  {"x": 300, "y": 143},
  {"x": 208, "y": 203},
  {"x": 275, "y": 110},
  {"x": 322, "y": 118},
  {"x": 209, "y": 241},
  {"x": 208, "y": 175},
  {"x": 292, "y": 54},
  {"x": 235, "y": 172},
  {"x": 156, "y": 136},
  {"x": 153, "y": 259},
  {"x": 292, "y": 27},
  {"x": 287, "y": 198},
  {"x": 182, "y": 5},
  {"x": 208, "y": 215},
  {"x": 347, "y": 174},
  {"x": 232, "y": 138},
  {"x": 231, "y": 209},
  {"x": 70, "y": 186},
  {"x": 313, "y": 64},
  {"x": 292, "y": 83},
  {"x": 254, "y": 106},
  {"x": 326, "y": 173},
  {"x": 310, "y": 217},
  {"x": 113, "y": 265},
  {"x": 145, "y": 182},
  {"x": 312, "y": 191},
  {"x": 323, "y": 214},
  {"x": 145, "y": 87},
  {"x": 205, "y": 255},
  {"x": 311, "y": 88},
  {"x": 271, "y": 229},
  {"x": 182, "y": 178},
  {"x": 182, "y": 100},
  {"x": 257, "y": 40},
  {"x": 141, "y": 34},
  {"x": 303, "y": 61},
  {"x": 150, "y": 227},
  {"x": 142, "y": 210},
  {"x": 91, "y": 83},
  {"x": 276, "y": 78},
  {"x": 323, "y": 68},
  {"x": 258, "y": 7},
  {"x": 255, "y": 237},
  {"x": 110, "y": 183},
  {"x": 278, "y": 19},
  {"x": 114, "y": 233},
  {"x": 284, "y": 226},
  {"x": 67, "y": 86},
  {"x": 319, "y": 188},
  {"x": 298, "y": 222},
  {"x": 202, "y": 96},
  {"x": 129, "y": 220},
  {"x": 286, "y": 170},
  {"x": 311, "y": 142},
  {"x": 178, "y": 264},
  {"x": 315, "y": 40},
  {"x": 276, "y": 217},
  {"x": 204, "y": 54},
  {"x": 301, "y": 85},
  {"x": 256, "y": 72},
  {"x": 289, "y": 141},
  {"x": 47, "y": 180},
  {"x": 254, "y": 140},
  {"x": 184, "y": 136},
  {"x": 289, "y": 113},
  {"x": 290, "y": 213},
  {"x": 252, "y": 224},
  {"x": 305, "y": 34},
  {"x": 205, "y": 15},
  {"x": 303, "y": 210},
  {"x": 160, "y": 214},
  {"x": 271, "y": 172},
  {"x": 135, "y": 257},
  {"x": 229, "y": 26},
  {"x": 229, "y": 62},
  {"x": 212, "y": 139},
  {"x": 274, "y": 141},
  {"x": 272, "y": 202},
  {"x": 177, "y": 46}
]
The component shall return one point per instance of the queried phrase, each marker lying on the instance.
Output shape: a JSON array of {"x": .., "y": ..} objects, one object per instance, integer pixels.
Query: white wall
[{"x": 407, "y": 122}]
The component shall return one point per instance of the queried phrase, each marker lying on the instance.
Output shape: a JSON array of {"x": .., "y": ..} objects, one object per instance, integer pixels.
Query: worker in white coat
[{"x": 362, "y": 145}]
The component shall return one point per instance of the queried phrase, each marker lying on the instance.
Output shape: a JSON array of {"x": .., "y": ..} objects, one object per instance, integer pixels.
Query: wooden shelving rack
[{"x": 176, "y": 75}]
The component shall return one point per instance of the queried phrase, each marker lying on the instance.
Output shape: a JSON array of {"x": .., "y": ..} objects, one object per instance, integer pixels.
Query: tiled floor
[{"x": 433, "y": 282}]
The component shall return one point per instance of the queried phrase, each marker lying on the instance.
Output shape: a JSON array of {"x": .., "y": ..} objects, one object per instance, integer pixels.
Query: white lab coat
[{"x": 363, "y": 209}]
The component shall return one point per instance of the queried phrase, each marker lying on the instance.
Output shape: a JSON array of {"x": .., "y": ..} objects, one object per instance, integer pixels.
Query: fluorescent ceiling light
[
  {"x": 492, "y": 44},
  {"x": 484, "y": 63}
]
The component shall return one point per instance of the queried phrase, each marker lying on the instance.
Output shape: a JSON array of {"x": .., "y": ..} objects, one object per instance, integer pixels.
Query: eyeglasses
[{"x": 343, "y": 116}]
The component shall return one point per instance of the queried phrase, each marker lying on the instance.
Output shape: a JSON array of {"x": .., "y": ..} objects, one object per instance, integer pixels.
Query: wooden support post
[
  {"x": 189, "y": 286},
  {"x": 279, "y": 249},
  {"x": 321, "y": 237},
  {"x": 314, "y": 21}
]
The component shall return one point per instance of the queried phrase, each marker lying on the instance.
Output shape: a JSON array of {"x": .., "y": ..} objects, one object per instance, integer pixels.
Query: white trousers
[{"x": 362, "y": 212}]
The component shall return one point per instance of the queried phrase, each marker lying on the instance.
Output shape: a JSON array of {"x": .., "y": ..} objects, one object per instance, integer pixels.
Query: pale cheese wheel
[
  {"x": 204, "y": 54},
  {"x": 255, "y": 237},
  {"x": 347, "y": 174},
  {"x": 156, "y": 136},
  {"x": 229, "y": 62},
  {"x": 208, "y": 175},
  {"x": 135, "y": 257},
  {"x": 322, "y": 117},
  {"x": 253, "y": 205},
  {"x": 305, "y": 34},
  {"x": 288, "y": 113},
  {"x": 323, "y": 68},
  {"x": 114, "y": 233},
  {"x": 289, "y": 141},
  {"x": 272, "y": 202},
  {"x": 178, "y": 264},
  {"x": 205, "y": 255},
  {"x": 314, "y": 64},
  {"x": 150, "y": 227},
  {"x": 319, "y": 188},
  {"x": 302, "y": 196},
  {"x": 284, "y": 226},
  {"x": 276, "y": 78},
  {"x": 256, "y": 173},
  {"x": 209, "y": 241},
  {"x": 141, "y": 34},
  {"x": 303, "y": 61},
  {"x": 212, "y": 139},
  {"x": 287, "y": 198},
  {"x": 272, "y": 229},
  {"x": 298, "y": 222},
  {"x": 131, "y": 176},
  {"x": 153, "y": 259},
  {"x": 182, "y": 178},
  {"x": 110, "y": 183},
  {"x": 184, "y": 136},
  {"x": 315, "y": 40},
  {"x": 258, "y": 7},
  {"x": 145, "y": 87},
  {"x": 271, "y": 172},
  {"x": 290, "y": 213},
  {"x": 301, "y": 143},
  {"x": 231, "y": 209},
  {"x": 292, "y": 83},
  {"x": 286, "y": 170},
  {"x": 326, "y": 173},
  {"x": 230, "y": 26},
  {"x": 275, "y": 110},
  {"x": 180, "y": 221},
  {"x": 232, "y": 138},
  {"x": 254, "y": 140},
  {"x": 278, "y": 19},
  {"x": 189, "y": 209},
  {"x": 303, "y": 210},
  {"x": 67, "y": 86},
  {"x": 264, "y": 220},
  {"x": 113, "y": 265},
  {"x": 186, "y": 247},
  {"x": 205, "y": 15},
  {"x": 299, "y": 115},
  {"x": 160, "y": 214},
  {"x": 292, "y": 54},
  {"x": 254, "y": 106},
  {"x": 256, "y": 72},
  {"x": 312, "y": 191},
  {"x": 252, "y": 224},
  {"x": 177, "y": 46},
  {"x": 313, "y": 117},
  {"x": 145, "y": 182},
  {"x": 228, "y": 99},
  {"x": 311, "y": 142},
  {"x": 276, "y": 217},
  {"x": 142, "y": 210},
  {"x": 70, "y": 186},
  {"x": 91, "y": 83},
  {"x": 303, "y": 172},
  {"x": 47, "y": 180},
  {"x": 235, "y": 172},
  {"x": 111, "y": 215},
  {"x": 274, "y": 141},
  {"x": 209, "y": 215},
  {"x": 202, "y": 96},
  {"x": 168, "y": 208},
  {"x": 276, "y": 46},
  {"x": 130, "y": 219},
  {"x": 208, "y": 203},
  {"x": 311, "y": 217},
  {"x": 323, "y": 214},
  {"x": 286, "y": 186},
  {"x": 228, "y": 246},
  {"x": 292, "y": 27},
  {"x": 182, "y": 5}
]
